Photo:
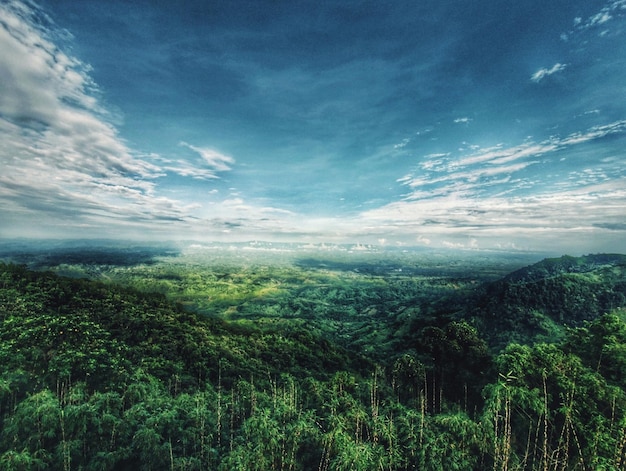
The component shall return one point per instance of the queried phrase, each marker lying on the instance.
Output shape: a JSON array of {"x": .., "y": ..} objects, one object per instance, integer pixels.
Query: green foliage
[
  {"x": 538, "y": 302},
  {"x": 602, "y": 346},
  {"x": 568, "y": 411},
  {"x": 299, "y": 368},
  {"x": 366, "y": 305},
  {"x": 458, "y": 360}
]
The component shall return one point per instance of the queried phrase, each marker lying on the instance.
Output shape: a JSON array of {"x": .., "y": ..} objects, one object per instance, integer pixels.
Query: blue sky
[{"x": 482, "y": 125}]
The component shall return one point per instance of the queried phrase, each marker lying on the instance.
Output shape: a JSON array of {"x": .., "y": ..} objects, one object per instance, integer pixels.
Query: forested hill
[
  {"x": 96, "y": 376},
  {"x": 537, "y": 302},
  {"x": 59, "y": 328},
  {"x": 550, "y": 267}
]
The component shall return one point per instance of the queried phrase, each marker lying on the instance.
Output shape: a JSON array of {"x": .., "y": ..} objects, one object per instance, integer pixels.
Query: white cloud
[
  {"x": 422, "y": 240},
  {"x": 448, "y": 207},
  {"x": 64, "y": 166},
  {"x": 595, "y": 132},
  {"x": 186, "y": 169},
  {"x": 606, "y": 14},
  {"x": 484, "y": 197},
  {"x": 600, "y": 18},
  {"x": 36, "y": 76},
  {"x": 216, "y": 161},
  {"x": 452, "y": 219},
  {"x": 544, "y": 72},
  {"x": 500, "y": 155},
  {"x": 402, "y": 143}
]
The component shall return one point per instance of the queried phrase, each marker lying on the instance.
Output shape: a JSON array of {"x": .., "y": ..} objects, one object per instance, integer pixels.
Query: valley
[{"x": 276, "y": 356}]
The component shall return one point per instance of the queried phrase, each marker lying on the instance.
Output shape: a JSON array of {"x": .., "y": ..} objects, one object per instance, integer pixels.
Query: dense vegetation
[{"x": 303, "y": 367}]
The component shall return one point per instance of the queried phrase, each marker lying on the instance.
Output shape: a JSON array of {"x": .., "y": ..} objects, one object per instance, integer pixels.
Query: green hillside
[
  {"x": 538, "y": 302},
  {"x": 97, "y": 376}
]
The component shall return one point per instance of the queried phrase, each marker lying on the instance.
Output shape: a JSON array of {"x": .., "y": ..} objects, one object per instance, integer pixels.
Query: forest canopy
[{"x": 309, "y": 367}]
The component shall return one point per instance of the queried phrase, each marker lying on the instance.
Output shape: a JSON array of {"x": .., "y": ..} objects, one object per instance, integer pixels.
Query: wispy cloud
[
  {"x": 500, "y": 154},
  {"x": 606, "y": 14},
  {"x": 497, "y": 221},
  {"x": 64, "y": 166},
  {"x": 595, "y": 132},
  {"x": 63, "y": 162},
  {"x": 545, "y": 72},
  {"x": 214, "y": 159},
  {"x": 484, "y": 195},
  {"x": 185, "y": 168}
]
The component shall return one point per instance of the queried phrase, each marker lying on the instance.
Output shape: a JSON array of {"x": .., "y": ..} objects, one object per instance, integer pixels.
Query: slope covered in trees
[
  {"x": 540, "y": 300},
  {"x": 94, "y": 375}
]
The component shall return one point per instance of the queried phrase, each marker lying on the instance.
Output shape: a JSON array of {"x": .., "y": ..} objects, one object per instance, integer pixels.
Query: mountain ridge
[{"x": 537, "y": 302}]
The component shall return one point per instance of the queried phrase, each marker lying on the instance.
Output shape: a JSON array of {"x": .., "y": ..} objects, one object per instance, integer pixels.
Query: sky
[{"x": 485, "y": 125}]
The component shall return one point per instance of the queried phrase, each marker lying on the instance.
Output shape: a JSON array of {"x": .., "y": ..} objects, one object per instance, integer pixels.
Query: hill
[
  {"x": 551, "y": 267},
  {"x": 537, "y": 302}
]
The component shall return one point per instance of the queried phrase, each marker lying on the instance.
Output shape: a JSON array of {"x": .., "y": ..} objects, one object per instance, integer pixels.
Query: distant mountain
[
  {"x": 566, "y": 264},
  {"x": 537, "y": 302}
]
